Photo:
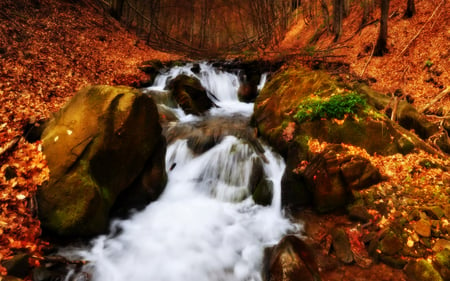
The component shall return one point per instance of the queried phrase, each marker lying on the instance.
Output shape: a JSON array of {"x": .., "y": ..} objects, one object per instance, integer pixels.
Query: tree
[
  {"x": 116, "y": 9},
  {"x": 338, "y": 14},
  {"x": 381, "y": 46},
  {"x": 410, "y": 9}
]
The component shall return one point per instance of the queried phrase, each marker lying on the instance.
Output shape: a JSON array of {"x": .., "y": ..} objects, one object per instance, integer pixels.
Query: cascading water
[{"x": 205, "y": 226}]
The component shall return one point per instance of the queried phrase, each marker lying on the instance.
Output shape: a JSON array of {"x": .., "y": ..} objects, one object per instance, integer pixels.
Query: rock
[
  {"x": 440, "y": 245},
  {"x": 390, "y": 244},
  {"x": 18, "y": 265},
  {"x": 96, "y": 147},
  {"x": 341, "y": 245},
  {"x": 359, "y": 212},
  {"x": 190, "y": 94},
  {"x": 291, "y": 259},
  {"x": 442, "y": 263},
  {"x": 421, "y": 270},
  {"x": 332, "y": 174},
  {"x": 359, "y": 173},
  {"x": 277, "y": 104},
  {"x": 247, "y": 92},
  {"x": 434, "y": 212},
  {"x": 260, "y": 187},
  {"x": 422, "y": 227}
]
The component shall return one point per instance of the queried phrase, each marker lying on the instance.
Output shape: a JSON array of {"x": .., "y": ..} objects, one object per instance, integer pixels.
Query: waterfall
[{"x": 205, "y": 226}]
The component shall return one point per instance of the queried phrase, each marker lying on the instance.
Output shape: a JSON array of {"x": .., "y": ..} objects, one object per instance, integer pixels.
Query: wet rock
[
  {"x": 96, "y": 147},
  {"x": 359, "y": 173},
  {"x": 247, "y": 92},
  {"x": 260, "y": 187},
  {"x": 442, "y": 263},
  {"x": 291, "y": 259},
  {"x": 422, "y": 270},
  {"x": 18, "y": 265},
  {"x": 422, "y": 227},
  {"x": 190, "y": 94},
  {"x": 341, "y": 245}
]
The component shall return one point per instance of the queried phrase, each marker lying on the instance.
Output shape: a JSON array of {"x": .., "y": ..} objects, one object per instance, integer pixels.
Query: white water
[{"x": 196, "y": 231}]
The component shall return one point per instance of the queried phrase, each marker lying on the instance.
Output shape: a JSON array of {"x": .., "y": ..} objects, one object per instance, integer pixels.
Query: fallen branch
[
  {"x": 418, "y": 33},
  {"x": 436, "y": 99},
  {"x": 367, "y": 63},
  {"x": 10, "y": 145}
]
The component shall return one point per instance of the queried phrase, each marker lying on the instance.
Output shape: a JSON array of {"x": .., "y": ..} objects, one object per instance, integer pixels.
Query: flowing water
[{"x": 205, "y": 226}]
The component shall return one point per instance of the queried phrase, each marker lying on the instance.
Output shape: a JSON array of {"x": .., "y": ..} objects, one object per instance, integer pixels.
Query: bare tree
[
  {"x": 410, "y": 9},
  {"x": 117, "y": 8},
  {"x": 338, "y": 14},
  {"x": 381, "y": 46}
]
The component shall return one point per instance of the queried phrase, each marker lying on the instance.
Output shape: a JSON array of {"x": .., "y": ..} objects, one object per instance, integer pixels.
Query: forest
[{"x": 224, "y": 140}]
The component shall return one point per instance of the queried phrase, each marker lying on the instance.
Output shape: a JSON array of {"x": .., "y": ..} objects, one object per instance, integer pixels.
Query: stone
[
  {"x": 18, "y": 265},
  {"x": 440, "y": 245},
  {"x": 442, "y": 263},
  {"x": 434, "y": 212},
  {"x": 97, "y": 146},
  {"x": 341, "y": 245},
  {"x": 390, "y": 244},
  {"x": 359, "y": 212},
  {"x": 190, "y": 94},
  {"x": 421, "y": 270},
  {"x": 422, "y": 227},
  {"x": 291, "y": 259}
]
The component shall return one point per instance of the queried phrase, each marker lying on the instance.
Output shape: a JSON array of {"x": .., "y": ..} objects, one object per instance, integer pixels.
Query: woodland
[{"x": 394, "y": 229}]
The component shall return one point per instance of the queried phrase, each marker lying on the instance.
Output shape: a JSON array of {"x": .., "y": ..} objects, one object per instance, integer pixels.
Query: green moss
[{"x": 336, "y": 106}]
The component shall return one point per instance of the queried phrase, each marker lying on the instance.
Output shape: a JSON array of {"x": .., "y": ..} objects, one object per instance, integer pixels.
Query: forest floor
[{"x": 50, "y": 50}]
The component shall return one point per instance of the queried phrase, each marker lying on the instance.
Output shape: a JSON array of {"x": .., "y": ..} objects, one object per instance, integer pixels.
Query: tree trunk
[
  {"x": 116, "y": 9},
  {"x": 410, "y": 9},
  {"x": 338, "y": 13},
  {"x": 381, "y": 46}
]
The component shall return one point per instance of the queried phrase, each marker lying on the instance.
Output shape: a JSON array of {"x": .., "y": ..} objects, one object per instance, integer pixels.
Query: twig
[
  {"x": 418, "y": 33},
  {"x": 367, "y": 63},
  {"x": 394, "y": 111},
  {"x": 436, "y": 99},
  {"x": 10, "y": 145}
]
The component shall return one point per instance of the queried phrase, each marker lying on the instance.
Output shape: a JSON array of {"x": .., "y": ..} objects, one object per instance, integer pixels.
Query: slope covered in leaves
[
  {"x": 48, "y": 50},
  {"x": 418, "y": 61}
]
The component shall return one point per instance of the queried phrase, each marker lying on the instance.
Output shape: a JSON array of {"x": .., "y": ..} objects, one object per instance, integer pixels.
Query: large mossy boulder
[
  {"x": 298, "y": 106},
  {"x": 104, "y": 148},
  {"x": 189, "y": 93}
]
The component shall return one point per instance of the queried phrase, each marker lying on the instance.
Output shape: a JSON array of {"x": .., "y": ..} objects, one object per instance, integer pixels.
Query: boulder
[
  {"x": 189, "y": 93},
  {"x": 102, "y": 142},
  {"x": 353, "y": 119},
  {"x": 291, "y": 259},
  {"x": 333, "y": 174},
  {"x": 422, "y": 270}
]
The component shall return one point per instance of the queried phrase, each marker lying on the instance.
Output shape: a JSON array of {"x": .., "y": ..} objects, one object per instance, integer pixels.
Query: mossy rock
[
  {"x": 442, "y": 263},
  {"x": 275, "y": 117},
  {"x": 422, "y": 270},
  {"x": 96, "y": 147}
]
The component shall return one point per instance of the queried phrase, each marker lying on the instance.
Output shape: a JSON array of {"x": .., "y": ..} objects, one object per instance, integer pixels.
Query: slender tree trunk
[
  {"x": 338, "y": 13},
  {"x": 346, "y": 9},
  {"x": 381, "y": 46},
  {"x": 117, "y": 8},
  {"x": 410, "y": 9}
]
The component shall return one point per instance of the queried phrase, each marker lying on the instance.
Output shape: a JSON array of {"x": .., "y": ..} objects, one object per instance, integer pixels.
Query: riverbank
[{"x": 48, "y": 51}]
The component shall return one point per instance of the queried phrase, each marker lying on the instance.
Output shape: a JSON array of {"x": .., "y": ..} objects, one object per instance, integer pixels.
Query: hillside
[{"x": 422, "y": 71}]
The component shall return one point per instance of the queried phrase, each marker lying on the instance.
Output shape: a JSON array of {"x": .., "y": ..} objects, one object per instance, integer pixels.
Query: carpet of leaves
[{"x": 49, "y": 49}]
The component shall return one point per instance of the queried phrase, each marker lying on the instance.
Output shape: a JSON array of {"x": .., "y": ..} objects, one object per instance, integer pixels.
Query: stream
[{"x": 205, "y": 226}]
